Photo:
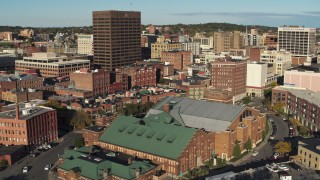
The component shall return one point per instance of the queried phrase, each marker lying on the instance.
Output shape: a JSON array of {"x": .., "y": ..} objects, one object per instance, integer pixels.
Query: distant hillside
[{"x": 209, "y": 28}]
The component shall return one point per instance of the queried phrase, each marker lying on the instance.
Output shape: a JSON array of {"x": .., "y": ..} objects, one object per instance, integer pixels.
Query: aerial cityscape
[{"x": 165, "y": 90}]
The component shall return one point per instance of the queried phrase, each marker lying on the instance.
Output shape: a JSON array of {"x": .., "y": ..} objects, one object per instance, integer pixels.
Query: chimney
[
  {"x": 91, "y": 150},
  {"x": 17, "y": 111},
  {"x": 129, "y": 161},
  {"x": 166, "y": 108}
]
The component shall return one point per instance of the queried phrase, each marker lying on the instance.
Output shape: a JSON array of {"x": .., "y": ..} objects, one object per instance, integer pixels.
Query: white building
[
  {"x": 258, "y": 79},
  {"x": 298, "y": 40},
  {"x": 85, "y": 42},
  {"x": 194, "y": 47},
  {"x": 281, "y": 60}
]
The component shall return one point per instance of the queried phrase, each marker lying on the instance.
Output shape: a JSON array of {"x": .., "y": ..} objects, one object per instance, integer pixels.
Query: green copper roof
[
  {"x": 157, "y": 134},
  {"x": 75, "y": 160}
]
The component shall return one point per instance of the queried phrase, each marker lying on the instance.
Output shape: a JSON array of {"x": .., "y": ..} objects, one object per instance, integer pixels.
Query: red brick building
[
  {"x": 143, "y": 75},
  {"x": 12, "y": 154},
  {"x": 96, "y": 81},
  {"x": 230, "y": 75},
  {"x": 179, "y": 59},
  {"x": 175, "y": 148},
  {"x": 11, "y": 82},
  {"x": 228, "y": 123},
  {"x": 92, "y": 134},
  {"x": 28, "y": 126},
  {"x": 303, "y": 104}
]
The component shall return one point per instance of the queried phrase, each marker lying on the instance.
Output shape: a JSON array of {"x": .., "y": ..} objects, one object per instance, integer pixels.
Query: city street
[
  {"x": 36, "y": 165},
  {"x": 267, "y": 150}
]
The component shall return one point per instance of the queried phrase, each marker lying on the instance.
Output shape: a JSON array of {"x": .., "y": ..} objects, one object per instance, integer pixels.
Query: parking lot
[{"x": 265, "y": 173}]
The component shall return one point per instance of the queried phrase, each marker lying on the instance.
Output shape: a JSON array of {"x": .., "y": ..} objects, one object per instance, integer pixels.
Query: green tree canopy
[
  {"x": 283, "y": 147},
  {"x": 236, "y": 151},
  {"x": 278, "y": 107},
  {"x": 248, "y": 144},
  {"x": 80, "y": 120},
  {"x": 79, "y": 142}
]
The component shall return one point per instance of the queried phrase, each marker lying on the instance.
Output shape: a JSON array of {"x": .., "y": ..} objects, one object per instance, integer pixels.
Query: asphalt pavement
[{"x": 36, "y": 165}]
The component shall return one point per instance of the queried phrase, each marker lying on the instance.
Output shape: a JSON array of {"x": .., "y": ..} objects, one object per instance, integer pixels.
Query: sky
[{"x": 61, "y": 13}]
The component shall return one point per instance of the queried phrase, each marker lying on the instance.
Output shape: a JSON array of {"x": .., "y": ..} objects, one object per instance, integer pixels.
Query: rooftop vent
[{"x": 98, "y": 159}]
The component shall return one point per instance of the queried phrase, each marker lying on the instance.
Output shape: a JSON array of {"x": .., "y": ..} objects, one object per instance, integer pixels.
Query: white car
[
  {"x": 283, "y": 167},
  {"x": 47, "y": 167},
  {"x": 268, "y": 166},
  {"x": 270, "y": 119},
  {"x": 25, "y": 169},
  {"x": 254, "y": 153}
]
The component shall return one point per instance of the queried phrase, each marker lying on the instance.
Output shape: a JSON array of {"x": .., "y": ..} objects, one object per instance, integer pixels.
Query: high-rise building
[
  {"x": 298, "y": 40},
  {"x": 85, "y": 42},
  {"x": 230, "y": 75},
  {"x": 117, "y": 38}
]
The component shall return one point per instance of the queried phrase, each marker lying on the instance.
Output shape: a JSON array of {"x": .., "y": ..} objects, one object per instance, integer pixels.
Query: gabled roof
[
  {"x": 158, "y": 134},
  {"x": 212, "y": 116}
]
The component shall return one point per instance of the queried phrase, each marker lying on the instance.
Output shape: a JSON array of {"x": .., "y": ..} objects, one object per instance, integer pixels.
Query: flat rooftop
[
  {"x": 6, "y": 150},
  {"x": 310, "y": 96},
  {"x": 314, "y": 67},
  {"x": 25, "y": 113},
  {"x": 95, "y": 128}
]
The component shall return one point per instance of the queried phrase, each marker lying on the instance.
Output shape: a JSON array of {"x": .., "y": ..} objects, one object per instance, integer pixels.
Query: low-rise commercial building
[
  {"x": 138, "y": 75},
  {"x": 96, "y": 81},
  {"x": 20, "y": 82},
  {"x": 158, "y": 48},
  {"x": 50, "y": 65},
  {"x": 304, "y": 77},
  {"x": 179, "y": 59},
  {"x": 28, "y": 126}
]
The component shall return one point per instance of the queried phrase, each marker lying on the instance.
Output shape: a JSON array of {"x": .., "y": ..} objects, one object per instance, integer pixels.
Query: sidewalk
[{"x": 262, "y": 144}]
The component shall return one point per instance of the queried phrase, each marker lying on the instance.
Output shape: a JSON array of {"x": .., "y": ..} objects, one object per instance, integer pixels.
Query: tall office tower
[
  {"x": 116, "y": 38},
  {"x": 298, "y": 40}
]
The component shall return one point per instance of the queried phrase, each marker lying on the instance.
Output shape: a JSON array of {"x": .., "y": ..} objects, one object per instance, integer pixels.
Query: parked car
[
  {"x": 254, "y": 153},
  {"x": 283, "y": 167},
  {"x": 270, "y": 119},
  {"x": 25, "y": 169},
  {"x": 47, "y": 167},
  {"x": 295, "y": 166}
]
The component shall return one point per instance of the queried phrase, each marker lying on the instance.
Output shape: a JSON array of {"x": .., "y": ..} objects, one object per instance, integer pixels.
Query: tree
[
  {"x": 236, "y": 151},
  {"x": 246, "y": 100},
  {"x": 79, "y": 142},
  {"x": 283, "y": 147},
  {"x": 303, "y": 131},
  {"x": 80, "y": 120},
  {"x": 146, "y": 106},
  {"x": 278, "y": 107},
  {"x": 3, "y": 163},
  {"x": 273, "y": 84},
  {"x": 248, "y": 144},
  {"x": 53, "y": 104},
  {"x": 130, "y": 109}
]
